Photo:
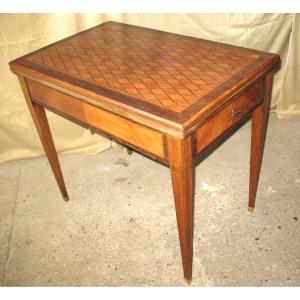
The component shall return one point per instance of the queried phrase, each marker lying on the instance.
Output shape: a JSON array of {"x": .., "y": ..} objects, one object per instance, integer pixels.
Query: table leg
[
  {"x": 41, "y": 123},
  {"x": 181, "y": 164},
  {"x": 258, "y": 134}
]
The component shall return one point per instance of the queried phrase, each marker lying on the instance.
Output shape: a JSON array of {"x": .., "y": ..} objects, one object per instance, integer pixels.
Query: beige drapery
[{"x": 23, "y": 33}]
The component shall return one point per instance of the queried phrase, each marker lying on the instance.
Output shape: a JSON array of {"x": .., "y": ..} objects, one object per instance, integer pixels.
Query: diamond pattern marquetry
[{"x": 166, "y": 70}]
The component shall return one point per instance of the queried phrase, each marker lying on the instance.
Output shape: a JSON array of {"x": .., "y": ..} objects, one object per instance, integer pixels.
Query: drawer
[
  {"x": 120, "y": 128},
  {"x": 228, "y": 117}
]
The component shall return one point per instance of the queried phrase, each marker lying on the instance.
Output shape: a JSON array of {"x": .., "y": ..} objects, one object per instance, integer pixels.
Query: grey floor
[{"x": 119, "y": 227}]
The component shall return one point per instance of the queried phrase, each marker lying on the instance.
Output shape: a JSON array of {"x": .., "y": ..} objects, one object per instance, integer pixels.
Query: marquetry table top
[
  {"x": 171, "y": 97},
  {"x": 163, "y": 74}
]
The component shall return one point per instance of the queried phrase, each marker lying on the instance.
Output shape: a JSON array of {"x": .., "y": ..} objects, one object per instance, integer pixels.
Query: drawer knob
[{"x": 237, "y": 113}]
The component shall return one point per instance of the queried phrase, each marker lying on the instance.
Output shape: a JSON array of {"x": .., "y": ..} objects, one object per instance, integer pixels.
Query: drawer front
[
  {"x": 144, "y": 138},
  {"x": 228, "y": 117}
]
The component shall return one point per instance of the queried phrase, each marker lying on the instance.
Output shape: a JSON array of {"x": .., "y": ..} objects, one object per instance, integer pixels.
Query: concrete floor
[{"x": 119, "y": 227}]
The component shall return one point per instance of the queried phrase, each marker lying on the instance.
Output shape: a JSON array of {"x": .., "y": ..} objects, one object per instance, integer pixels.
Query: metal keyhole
[{"x": 237, "y": 113}]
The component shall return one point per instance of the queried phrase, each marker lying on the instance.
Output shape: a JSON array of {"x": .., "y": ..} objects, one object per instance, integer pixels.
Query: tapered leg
[
  {"x": 41, "y": 123},
  {"x": 258, "y": 134},
  {"x": 181, "y": 164}
]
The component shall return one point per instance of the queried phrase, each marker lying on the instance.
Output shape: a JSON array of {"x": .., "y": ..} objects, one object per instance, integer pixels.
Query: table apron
[
  {"x": 142, "y": 138},
  {"x": 229, "y": 117}
]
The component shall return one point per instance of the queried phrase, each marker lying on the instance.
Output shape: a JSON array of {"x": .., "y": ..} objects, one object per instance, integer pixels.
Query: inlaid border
[{"x": 265, "y": 62}]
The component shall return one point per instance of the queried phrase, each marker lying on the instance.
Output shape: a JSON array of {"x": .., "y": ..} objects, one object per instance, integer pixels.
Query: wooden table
[{"x": 168, "y": 96}]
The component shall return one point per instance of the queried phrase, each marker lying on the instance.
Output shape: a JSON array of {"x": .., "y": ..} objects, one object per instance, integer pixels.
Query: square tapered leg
[{"x": 181, "y": 164}]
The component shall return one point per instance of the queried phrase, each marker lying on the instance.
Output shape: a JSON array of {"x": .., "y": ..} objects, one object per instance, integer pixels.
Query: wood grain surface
[
  {"x": 159, "y": 77},
  {"x": 168, "y": 96},
  {"x": 182, "y": 173},
  {"x": 258, "y": 135},
  {"x": 228, "y": 117},
  {"x": 124, "y": 129},
  {"x": 41, "y": 123}
]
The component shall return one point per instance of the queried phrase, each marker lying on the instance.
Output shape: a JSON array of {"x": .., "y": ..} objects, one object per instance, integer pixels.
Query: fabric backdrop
[{"x": 24, "y": 33}]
